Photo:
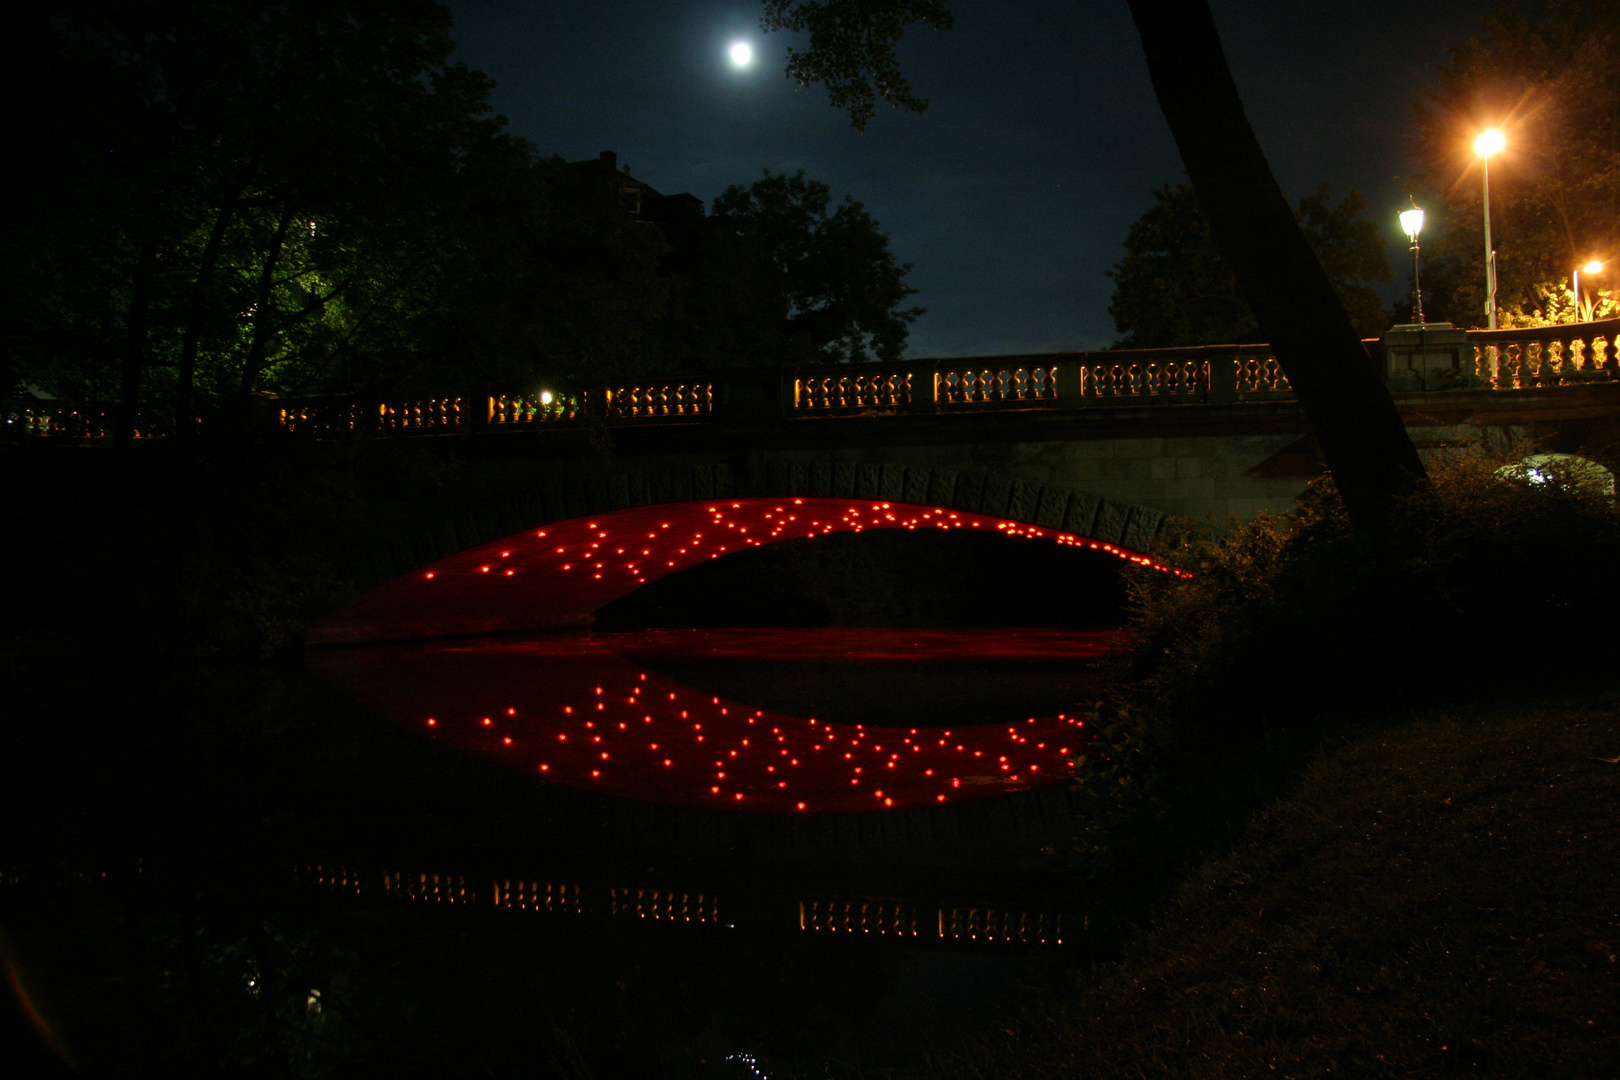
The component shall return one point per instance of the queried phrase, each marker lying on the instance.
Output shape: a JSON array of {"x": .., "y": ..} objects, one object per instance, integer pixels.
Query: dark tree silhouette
[
  {"x": 1173, "y": 288},
  {"x": 1363, "y": 439}
]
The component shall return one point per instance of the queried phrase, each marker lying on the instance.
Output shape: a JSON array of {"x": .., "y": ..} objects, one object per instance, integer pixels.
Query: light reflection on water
[{"x": 782, "y": 721}]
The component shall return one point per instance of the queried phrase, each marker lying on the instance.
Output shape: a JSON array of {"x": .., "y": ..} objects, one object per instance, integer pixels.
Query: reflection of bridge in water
[{"x": 593, "y": 712}]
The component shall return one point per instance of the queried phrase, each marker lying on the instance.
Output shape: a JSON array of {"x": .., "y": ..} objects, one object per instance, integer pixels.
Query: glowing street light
[
  {"x": 1412, "y": 224},
  {"x": 1593, "y": 267},
  {"x": 1489, "y": 142}
]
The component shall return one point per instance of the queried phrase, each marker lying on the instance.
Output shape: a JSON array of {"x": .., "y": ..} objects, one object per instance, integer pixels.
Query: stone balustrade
[{"x": 1430, "y": 358}]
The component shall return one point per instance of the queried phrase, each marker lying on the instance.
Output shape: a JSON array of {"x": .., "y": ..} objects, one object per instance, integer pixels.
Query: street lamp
[
  {"x": 1489, "y": 142},
  {"x": 1412, "y": 224},
  {"x": 1593, "y": 267}
]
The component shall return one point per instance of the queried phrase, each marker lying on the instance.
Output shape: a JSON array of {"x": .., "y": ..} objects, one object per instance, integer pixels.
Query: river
[{"x": 716, "y": 852}]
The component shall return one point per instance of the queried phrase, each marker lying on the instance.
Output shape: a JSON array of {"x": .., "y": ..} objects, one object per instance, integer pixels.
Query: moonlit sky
[{"x": 1012, "y": 194}]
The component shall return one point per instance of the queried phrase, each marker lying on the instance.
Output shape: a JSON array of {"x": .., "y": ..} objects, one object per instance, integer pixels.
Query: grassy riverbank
[{"x": 1436, "y": 897}]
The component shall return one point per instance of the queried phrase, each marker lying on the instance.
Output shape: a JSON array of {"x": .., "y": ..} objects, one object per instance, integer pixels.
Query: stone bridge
[
  {"x": 1095, "y": 447},
  {"x": 1100, "y": 449}
]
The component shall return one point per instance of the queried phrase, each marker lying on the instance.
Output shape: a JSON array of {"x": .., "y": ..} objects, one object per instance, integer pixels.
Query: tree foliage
[
  {"x": 1547, "y": 80},
  {"x": 852, "y": 49},
  {"x": 224, "y": 201},
  {"x": 779, "y": 273},
  {"x": 1173, "y": 288},
  {"x": 252, "y": 188}
]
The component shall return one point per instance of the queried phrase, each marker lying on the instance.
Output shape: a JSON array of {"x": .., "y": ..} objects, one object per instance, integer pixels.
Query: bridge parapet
[
  {"x": 1522, "y": 359},
  {"x": 1527, "y": 358},
  {"x": 1507, "y": 360}
]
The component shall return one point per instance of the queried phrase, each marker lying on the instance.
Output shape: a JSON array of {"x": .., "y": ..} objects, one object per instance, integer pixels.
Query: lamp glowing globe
[
  {"x": 1412, "y": 222},
  {"x": 742, "y": 54},
  {"x": 1489, "y": 142}
]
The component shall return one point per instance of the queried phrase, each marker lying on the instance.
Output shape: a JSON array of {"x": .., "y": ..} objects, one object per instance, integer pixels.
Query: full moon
[{"x": 741, "y": 54}]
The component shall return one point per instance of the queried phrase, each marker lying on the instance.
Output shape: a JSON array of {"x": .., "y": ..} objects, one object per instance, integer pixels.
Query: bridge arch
[{"x": 519, "y": 566}]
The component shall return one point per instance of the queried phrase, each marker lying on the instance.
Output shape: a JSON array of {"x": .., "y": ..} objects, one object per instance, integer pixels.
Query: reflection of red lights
[
  {"x": 516, "y": 701},
  {"x": 560, "y": 576}
]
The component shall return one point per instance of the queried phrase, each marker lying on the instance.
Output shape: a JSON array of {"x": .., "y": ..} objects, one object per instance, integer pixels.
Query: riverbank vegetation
[{"x": 1384, "y": 772}]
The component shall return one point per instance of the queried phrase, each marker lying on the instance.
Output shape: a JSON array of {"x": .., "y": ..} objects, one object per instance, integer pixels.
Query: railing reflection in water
[{"x": 880, "y": 917}]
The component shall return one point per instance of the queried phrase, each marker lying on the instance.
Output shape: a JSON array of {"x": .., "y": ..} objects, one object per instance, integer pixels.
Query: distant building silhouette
[{"x": 640, "y": 198}]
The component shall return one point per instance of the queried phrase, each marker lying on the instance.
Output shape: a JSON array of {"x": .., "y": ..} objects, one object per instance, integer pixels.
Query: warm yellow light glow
[
  {"x": 1412, "y": 221},
  {"x": 545, "y": 397},
  {"x": 1489, "y": 142},
  {"x": 1592, "y": 267}
]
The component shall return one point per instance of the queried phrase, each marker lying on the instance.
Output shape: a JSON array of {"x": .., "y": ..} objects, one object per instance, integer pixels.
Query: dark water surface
[{"x": 240, "y": 872}]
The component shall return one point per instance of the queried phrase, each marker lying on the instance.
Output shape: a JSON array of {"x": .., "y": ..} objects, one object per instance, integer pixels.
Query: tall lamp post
[
  {"x": 1593, "y": 267},
  {"x": 1412, "y": 224},
  {"x": 1489, "y": 142}
]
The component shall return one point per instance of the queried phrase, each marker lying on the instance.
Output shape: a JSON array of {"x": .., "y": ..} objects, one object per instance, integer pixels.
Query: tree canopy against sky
[
  {"x": 780, "y": 273},
  {"x": 225, "y": 196},
  {"x": 227, "y": 200},
  {"x": 1173, "y": 288},
  {"x": 1548, "y": 80},
  {"x": 851, "y": 50}
]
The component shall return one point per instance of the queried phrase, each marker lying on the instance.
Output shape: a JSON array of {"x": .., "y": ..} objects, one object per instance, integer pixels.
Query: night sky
[{"x": 1012, "y": 193}]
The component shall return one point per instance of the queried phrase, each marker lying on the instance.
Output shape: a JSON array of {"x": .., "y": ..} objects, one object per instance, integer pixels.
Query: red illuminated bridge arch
[{"x": 557, "y": 575}]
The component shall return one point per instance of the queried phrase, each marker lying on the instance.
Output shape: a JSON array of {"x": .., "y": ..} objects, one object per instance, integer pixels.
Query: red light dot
[
  {"x": 432, "y": 722},
  {"x": 507, "y": 740}
]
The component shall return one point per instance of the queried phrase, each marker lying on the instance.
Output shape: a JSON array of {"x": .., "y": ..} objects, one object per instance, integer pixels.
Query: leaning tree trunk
[{"x": 1363, "y": 439}]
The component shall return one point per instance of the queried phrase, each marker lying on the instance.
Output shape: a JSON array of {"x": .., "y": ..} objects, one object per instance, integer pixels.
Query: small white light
[
  {"x": 742, "y": 54},
  {"x": 545, "y": 397}
]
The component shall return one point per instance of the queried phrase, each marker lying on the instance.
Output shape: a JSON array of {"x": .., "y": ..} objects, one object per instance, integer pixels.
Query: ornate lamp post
[
  {"x": 1593, "y": 267},
  {"x": 1412, "y": 224},
  {"x": 1489, "y": 142}
]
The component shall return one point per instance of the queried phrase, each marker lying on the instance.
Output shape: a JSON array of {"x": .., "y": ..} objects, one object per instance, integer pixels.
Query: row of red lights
[{"x": 625, "y": 553}]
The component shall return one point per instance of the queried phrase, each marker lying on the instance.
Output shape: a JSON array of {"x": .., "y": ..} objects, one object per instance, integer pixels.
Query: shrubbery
[{"x": 1491, "y": 581}]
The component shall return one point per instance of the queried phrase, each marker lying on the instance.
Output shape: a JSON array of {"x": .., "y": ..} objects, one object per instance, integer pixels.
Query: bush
[{"x": 1492, "y": 580}]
